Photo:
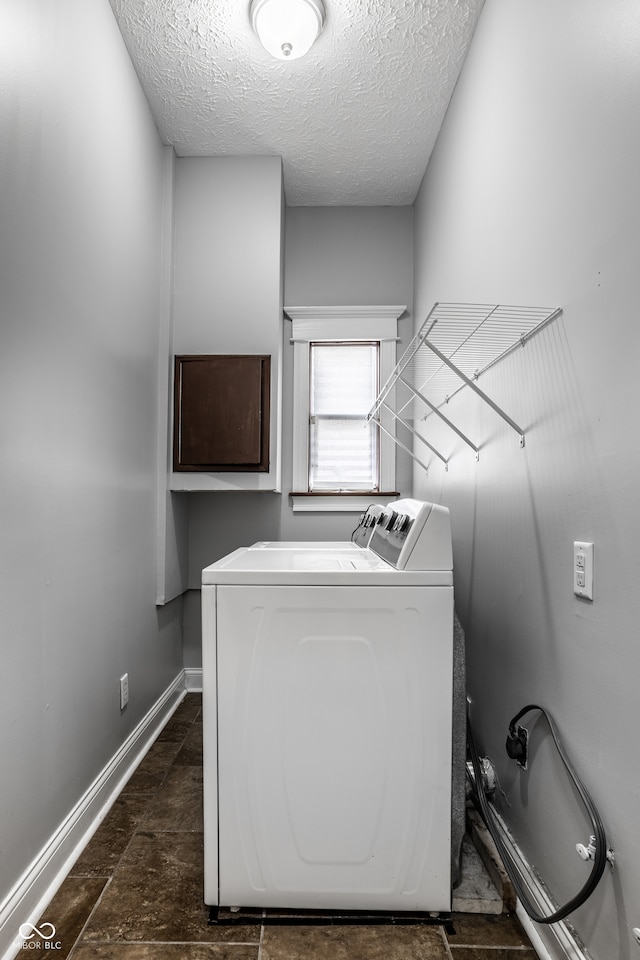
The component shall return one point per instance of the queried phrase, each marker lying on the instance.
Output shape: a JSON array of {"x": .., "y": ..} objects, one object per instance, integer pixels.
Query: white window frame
[{"x": 335, "y": 324}]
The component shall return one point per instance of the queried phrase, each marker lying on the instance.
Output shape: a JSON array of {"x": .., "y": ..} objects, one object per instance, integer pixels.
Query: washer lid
[
  {"x": 303, "y": 564},
  {"x": 340, "y": 546}
]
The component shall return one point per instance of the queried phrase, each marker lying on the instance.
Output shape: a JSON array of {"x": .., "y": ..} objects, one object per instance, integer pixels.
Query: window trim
[{"x": 348, "y": 323}]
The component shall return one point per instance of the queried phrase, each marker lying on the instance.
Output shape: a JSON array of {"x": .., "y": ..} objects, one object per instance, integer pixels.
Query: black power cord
[{"x": 600, "y": 860}]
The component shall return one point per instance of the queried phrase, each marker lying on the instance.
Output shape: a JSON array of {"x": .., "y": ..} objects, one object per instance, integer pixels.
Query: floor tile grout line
[
  {"x": 164, "y": 943},
  {"x": 445, "y": 940},
  {"x": 262, "y": 926},
  {"x": 89, "y": 916},
  {"x": 490, "y": 946}
]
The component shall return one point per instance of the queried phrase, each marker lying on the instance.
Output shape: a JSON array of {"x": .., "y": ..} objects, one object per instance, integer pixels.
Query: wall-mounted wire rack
[{"x": 455, "y": 345}]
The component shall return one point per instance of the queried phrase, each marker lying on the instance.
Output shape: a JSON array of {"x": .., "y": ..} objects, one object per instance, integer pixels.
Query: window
[
  {"x": 341, "y": 357},
  {"x": 343, "y": 445}
]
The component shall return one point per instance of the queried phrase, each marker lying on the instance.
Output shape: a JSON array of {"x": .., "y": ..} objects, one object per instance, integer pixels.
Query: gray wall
[
  {"x": 533, "y": 197},
  {"x": 333, "y": 256},
  {"x": 81, "y": 216}
]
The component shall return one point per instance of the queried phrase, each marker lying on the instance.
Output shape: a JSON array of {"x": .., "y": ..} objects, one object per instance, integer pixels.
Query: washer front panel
[{"x": 334, "y": 731}]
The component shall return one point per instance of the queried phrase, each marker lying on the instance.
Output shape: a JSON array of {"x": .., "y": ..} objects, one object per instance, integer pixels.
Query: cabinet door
[{"x": 221, "y": 413}]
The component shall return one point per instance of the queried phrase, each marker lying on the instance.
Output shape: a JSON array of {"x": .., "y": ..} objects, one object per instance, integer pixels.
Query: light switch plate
[{"x": 583, "y": 569}]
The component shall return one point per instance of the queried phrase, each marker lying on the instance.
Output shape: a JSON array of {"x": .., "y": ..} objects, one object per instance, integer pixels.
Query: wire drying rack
[{"x": 455, "y": 345}]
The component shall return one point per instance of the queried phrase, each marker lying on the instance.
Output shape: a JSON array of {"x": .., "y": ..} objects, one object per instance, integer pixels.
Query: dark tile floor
[{"x": 135, "y": 893}]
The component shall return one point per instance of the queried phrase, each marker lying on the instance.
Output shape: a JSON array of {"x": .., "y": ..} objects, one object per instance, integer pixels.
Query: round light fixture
[{"x": 287, "y": 29}]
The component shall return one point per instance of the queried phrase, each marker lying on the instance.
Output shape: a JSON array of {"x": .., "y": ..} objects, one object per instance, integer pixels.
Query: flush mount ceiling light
[{"x": 287, "y": 29}]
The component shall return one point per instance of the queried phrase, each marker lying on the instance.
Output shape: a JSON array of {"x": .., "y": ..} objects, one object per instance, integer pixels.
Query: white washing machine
[{"x": 327, "y": 707}]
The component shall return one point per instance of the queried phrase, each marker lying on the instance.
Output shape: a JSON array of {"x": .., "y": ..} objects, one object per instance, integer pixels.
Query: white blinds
[{"x": 343, "y": 446}]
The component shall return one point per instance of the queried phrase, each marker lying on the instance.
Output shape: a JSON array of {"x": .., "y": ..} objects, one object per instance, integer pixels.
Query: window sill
[{"x": 338, "y": 502}]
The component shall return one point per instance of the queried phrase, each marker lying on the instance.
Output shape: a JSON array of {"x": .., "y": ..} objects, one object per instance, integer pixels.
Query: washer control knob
[{"x": 399, "y": 521}]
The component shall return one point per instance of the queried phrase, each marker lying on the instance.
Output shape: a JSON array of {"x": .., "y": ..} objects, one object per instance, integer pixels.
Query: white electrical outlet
[
  {"x": 583, "y": 569},
  {"x": 124, "y": 690}
]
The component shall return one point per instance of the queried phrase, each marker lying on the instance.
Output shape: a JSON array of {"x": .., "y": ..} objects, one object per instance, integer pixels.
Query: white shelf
[{"x": 454, "y": 346}]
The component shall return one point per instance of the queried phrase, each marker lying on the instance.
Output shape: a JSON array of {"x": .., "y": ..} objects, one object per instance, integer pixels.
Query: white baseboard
[
  {"x": 39, "y": 883},
  {"x": 555, "y": 941},
  {"x": 193, "y": 679}
]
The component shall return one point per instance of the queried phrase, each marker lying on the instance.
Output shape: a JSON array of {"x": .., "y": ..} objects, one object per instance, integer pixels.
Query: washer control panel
[
  {"x": 368, "y": 521},
  {"x": 399, "y": 523},
  {"x": 410, "y": 534}
]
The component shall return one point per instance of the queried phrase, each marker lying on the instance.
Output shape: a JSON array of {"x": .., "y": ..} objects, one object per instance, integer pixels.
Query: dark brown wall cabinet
[{"x": 221, "y": 413}]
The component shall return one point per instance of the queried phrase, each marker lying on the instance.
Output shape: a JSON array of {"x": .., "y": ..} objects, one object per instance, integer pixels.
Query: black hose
[{"x": 600, "y": 860}]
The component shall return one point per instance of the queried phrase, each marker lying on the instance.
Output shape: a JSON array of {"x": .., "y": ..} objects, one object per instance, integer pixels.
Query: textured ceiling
[{"x": 354, "y": 121}]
